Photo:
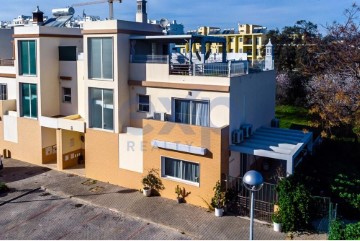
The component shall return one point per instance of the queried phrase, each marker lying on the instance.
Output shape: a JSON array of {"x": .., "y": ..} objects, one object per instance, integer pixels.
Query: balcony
[
  {"x": 71, "y": 123},
  {"x": 6, "y": 62},
  {"x": 180, "y": 65}
]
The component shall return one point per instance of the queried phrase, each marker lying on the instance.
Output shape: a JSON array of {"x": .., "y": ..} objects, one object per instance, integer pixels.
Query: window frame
[
  {"x": 64, "y": 95},
  {"x": 30, "y": 105},
  {"x": 190, "y": 110},
  {"x": 138, "y": 103},
  {"x": 102, "y": 78},
  {"x": 2, "y": 94},
  {"x": 163, "y": 175},
  {"x": 21, "y": 71},
  {"x": 102, "y": 110}
]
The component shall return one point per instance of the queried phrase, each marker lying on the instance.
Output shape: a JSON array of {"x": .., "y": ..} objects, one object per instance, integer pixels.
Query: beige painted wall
[
  {"x": 29, "y": 146},
  {"x": 212, "y": 165},
  {"x": 161, "y": 101},
  {"x": 48, "y": 137}
]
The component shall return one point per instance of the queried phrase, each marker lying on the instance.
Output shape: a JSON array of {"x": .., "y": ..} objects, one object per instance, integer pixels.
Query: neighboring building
[
  {"x": 112, "y": 102},
  {"x": 249, "y": 39},
  {"x": 172, "y": 28}
]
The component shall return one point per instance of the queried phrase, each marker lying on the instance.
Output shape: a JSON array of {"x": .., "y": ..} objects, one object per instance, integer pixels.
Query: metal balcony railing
[
  {"x": 229, "y": 69},
  {"x": 157, "y": 59}
]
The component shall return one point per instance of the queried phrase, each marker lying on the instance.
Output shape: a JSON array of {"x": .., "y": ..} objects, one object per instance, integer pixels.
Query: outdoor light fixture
[{"x": 253, "y": 181}]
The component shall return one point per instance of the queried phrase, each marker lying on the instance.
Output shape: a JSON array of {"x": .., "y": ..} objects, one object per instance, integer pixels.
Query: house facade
[{"x": 112, "y": 101}]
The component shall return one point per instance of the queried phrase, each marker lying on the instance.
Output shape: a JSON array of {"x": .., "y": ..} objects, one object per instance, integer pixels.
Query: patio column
[
  {"x": 190, "y": 50},
  {"x": 203, "y": 50},
  {"x": 289, "y": 166}
]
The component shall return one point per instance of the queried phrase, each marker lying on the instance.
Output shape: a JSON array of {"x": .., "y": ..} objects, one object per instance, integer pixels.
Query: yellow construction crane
[{"x": 111, "y": 7}]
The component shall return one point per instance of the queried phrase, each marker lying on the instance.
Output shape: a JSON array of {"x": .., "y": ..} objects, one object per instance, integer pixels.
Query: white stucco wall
[
  {"x": 10, "y": 128},
  {"x": 252, "y": 100},
  {"x": 130, "y": 150},
  {"x": 69, "y": 69}
]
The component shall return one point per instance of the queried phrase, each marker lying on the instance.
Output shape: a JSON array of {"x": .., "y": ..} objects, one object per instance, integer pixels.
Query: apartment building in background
[
  {"x": 112, "y": 101},
  {"x": 248, "y": 40}
]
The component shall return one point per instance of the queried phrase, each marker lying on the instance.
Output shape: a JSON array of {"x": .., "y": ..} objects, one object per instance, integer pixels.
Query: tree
[{"x": 334, "y": 90}]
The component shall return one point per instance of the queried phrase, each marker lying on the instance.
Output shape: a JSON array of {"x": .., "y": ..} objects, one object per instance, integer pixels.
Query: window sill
[
  {"x": 141, "y": 111},
  {"x": 181, "y": 181},
  {"x": 100, "y": 129},
  {"x": 27, "y": 75},
  {"x": 101, "y": 79},
  {"x": 28, "y": 117}
]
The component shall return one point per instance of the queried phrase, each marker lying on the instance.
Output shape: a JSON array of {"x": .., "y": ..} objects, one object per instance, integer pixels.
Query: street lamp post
[{"x": 253, "y": 181}]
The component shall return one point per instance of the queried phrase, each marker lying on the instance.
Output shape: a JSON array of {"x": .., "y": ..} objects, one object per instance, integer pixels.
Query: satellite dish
[{"x": 164, "y": 22}]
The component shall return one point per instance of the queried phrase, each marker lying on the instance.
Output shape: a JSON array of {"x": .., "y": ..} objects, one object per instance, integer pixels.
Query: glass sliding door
[
  {"x": 100, "y": 58},
  {"x": 28, "y": 100},
  {"x": 27, "y": 56},
  {"x": 192, "y": 112},
  {"x": 101, "y": 108}
]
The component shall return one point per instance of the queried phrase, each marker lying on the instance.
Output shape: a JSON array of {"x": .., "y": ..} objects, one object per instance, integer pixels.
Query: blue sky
[{"x": 194, "y": 13}]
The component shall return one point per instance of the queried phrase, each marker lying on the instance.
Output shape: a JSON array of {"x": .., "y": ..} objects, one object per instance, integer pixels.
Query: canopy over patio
[{"x": 277, "y": 143}]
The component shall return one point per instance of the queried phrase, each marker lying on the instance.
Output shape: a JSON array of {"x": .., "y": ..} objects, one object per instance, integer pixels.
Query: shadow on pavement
[{"x": 12, "y": 174}]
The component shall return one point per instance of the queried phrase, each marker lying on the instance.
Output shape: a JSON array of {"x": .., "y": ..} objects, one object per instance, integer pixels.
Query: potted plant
[
  {"x": 178, "y": 193},
  {"x": 181, "y": 194},
  {"x": 219, "y": 200},
  {"x": 152, "y": 182},
  {"x": 276, "y": 218}
]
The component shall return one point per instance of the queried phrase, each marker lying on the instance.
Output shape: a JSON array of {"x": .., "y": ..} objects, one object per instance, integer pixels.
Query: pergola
[
  {"x": 190, "y": 39},
  {"x": 277, "y": 143}
]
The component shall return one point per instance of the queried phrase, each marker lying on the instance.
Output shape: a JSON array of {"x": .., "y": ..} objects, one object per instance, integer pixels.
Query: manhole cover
[
  {"x": 96, "y": 189},
  {"x": 89, "y": 182}
]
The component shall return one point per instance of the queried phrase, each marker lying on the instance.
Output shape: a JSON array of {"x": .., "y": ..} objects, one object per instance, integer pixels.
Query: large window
[
  {"x": 192, "y": 112},
  {"x": 3, "y": 92},
  {"x": 100, "y": 58},
  {"x": 28, "y": 94},
  {"x": 144, "y": 103},
  {"x": 181, "y": 170},
  {"x": 101, "y": 108},
  {"x": 27, "y": 57},
  {"x": 67, "y": 53}
]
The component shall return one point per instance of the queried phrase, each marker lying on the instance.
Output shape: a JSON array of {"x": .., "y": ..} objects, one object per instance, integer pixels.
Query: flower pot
[
  {"x": 147, "y": 192},
  {"x": 219, "y": 212},
  {"x": 277, "y": 227},
  {"x": 180, "y": 200}
]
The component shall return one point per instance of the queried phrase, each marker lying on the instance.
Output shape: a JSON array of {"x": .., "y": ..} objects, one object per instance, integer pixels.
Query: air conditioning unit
[
  {"x": 275, "y": 123},
  {"x": 237, "y": 136},
  {"x": 247, "y": 129},
  {"x": 160, "y": 116}
]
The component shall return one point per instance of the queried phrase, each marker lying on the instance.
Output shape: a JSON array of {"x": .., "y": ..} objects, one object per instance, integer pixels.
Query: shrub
[
  {"x": 3, "y": 187},
  {"x": 352, "y": 231},
  {"x": 219, "y": 199},
  {"x": 336, "y": 231},
  {"x": 294, "y": 204}
]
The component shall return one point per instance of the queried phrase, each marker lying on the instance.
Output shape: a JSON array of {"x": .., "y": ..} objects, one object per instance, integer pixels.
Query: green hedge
[{"x": 340, "y": 231}]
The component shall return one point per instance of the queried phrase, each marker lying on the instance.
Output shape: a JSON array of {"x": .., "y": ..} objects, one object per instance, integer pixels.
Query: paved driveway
[{"x": 40, "y": 215}]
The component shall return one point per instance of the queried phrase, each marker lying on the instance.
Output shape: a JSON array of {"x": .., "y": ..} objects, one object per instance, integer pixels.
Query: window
[
  {"x": 67, "y": 95},
  {"x": 144, "y": 103},
  {"x": 100, "y": 58},
  {"x": 67, "y": 53},
  {"x": 240, "y": 40},
  {"x": 27, "y": 57},
  {"x": 257, "y": 52},
  {"x": 192, "y": 112},
  {"x": 181, "y": 170},
  {"x": 3, "y": 92},
  {"x": 101, "y": 108},
  {"x": 28, "y": 100}
]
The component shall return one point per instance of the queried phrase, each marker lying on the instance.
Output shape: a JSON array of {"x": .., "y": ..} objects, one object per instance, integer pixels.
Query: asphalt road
[{"x": 40, "y": 215}]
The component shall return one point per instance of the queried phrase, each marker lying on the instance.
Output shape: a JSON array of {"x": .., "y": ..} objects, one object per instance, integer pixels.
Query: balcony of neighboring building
[
  {"x": 7, "y": 68},
  {"x": 70, "y": 123},
  {"x": 155, "y": 58}
]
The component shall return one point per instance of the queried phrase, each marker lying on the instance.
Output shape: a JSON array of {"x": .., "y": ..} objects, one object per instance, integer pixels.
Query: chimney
[
  {"x": 38, "y": 17},
  {"x": 141, "y": 15}
]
